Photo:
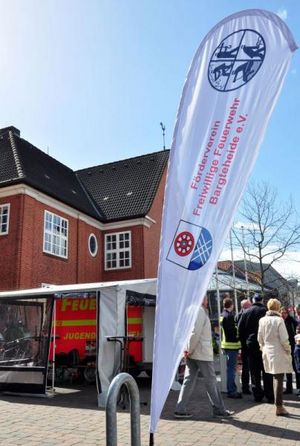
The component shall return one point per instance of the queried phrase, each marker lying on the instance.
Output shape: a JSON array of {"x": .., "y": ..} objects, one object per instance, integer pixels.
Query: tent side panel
[{"x": 111, "y": 323}]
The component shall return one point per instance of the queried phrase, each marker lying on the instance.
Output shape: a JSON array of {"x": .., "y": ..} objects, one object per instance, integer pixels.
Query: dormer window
[{"x": 4, "y": 218}]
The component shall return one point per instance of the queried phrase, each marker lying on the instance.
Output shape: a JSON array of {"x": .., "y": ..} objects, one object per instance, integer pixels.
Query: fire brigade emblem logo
[
  {"x": 191, "y": 246},
  {"x": 236, "y": 60},
  {"x": 184, "y": 243}
]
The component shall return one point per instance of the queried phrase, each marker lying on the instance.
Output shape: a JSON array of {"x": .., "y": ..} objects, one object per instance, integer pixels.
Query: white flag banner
[{"x": 228, "y": 98}]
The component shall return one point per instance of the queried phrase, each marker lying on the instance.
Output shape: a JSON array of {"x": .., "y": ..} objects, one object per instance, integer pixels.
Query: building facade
[{"x": 58, "y": 226}]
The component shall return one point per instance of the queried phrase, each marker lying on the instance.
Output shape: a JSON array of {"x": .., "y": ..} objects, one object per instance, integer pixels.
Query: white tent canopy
[{"x": 111, "y": 302}]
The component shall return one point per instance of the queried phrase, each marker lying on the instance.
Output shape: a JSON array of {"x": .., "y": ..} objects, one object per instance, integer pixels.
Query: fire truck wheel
[{"x": 89, "y": 374}]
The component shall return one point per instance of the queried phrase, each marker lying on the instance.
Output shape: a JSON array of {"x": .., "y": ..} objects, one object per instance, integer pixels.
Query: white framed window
[
  {"x": 118, "y": 250},
  {"x": 4, "y": 218},
  {"x": 93, "y": 245},
  {"x": 55, "y": 235}
]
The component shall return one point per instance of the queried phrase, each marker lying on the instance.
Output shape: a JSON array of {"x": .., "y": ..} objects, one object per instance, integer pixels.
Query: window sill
[{"x": 55, "y": 256}]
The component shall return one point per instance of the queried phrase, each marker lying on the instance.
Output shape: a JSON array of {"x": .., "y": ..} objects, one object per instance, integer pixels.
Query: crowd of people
[{"x": 267, "y": 336}]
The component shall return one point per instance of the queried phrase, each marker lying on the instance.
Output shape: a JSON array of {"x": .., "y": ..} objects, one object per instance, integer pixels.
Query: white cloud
[
  {"x": 282, "y": 13},
  {"x": 289, "y": 265}
]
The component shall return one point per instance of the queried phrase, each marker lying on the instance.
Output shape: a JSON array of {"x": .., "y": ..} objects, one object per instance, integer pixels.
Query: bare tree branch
[{"x": 271, "y": 228}]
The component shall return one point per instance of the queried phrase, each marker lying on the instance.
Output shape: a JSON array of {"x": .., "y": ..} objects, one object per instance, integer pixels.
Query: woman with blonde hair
[{"x": 276, "y": 350}]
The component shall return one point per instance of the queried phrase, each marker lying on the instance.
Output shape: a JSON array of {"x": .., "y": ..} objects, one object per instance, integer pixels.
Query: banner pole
[{"x": 151, "y": 439}]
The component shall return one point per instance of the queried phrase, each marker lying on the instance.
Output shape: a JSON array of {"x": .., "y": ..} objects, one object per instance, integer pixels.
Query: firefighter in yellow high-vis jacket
[{"x": 231, "y": 345}]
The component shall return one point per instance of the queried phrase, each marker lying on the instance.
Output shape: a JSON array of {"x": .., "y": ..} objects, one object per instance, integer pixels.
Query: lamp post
[
  {"x": 233, "y": 273},
  {"x": 245, "y": 261},
  {"x": 294, "y": 292}
]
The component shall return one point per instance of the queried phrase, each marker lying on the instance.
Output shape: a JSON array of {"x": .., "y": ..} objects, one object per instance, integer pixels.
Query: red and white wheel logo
[{"x": 184, "y": 243}]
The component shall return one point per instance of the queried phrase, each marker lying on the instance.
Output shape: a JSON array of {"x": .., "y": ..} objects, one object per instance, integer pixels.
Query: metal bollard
[{"x": 111, "y": 409}]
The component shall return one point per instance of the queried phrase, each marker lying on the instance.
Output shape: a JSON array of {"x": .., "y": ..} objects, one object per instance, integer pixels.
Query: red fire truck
[{"x": 74, "y": 330}]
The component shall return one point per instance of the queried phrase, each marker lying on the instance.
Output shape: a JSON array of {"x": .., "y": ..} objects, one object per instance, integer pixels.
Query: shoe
[
  {"x": 183, "y": 415},
  {"x": 247, "y": 392},
  {"x": 281, "y": 411},
  {"x": 288, "y": 392},
  {"x": 236, "y": 395},
  {"x": 226, "y": 413}
]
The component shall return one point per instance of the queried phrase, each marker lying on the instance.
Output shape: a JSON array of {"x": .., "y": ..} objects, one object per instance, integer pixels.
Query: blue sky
[{"x": 91, "y": 80}]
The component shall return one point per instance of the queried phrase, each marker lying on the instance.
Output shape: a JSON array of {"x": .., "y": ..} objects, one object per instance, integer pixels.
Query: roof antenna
[{"x": 163, "y": 133}]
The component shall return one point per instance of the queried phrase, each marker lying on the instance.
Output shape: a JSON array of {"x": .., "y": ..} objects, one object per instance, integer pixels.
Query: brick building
[{"x": 58, "y": 226}]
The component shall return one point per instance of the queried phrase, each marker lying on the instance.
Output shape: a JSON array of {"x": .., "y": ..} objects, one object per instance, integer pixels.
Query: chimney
[{"x": 12, "y": 129}]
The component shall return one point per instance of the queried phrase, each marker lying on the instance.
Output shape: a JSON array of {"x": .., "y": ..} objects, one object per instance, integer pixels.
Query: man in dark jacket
[
  {"x": 230, "y": 344},
  {"x": 248, "y": 329},
  {"x": 245, "y": 304},
  {"x": 291, "y": 325},
  {"x": 297, "y": 313}
]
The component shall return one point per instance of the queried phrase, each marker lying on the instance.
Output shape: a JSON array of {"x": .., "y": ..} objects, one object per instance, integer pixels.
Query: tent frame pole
[{"x": 53, "y": 344}]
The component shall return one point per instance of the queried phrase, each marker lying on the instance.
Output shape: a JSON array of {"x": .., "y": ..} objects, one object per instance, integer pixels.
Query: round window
[{"x": 93, "y": 245}]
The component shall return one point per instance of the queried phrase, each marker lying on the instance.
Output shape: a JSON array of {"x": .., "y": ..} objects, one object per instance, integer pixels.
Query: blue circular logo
[{"x": 236, "y": 60}]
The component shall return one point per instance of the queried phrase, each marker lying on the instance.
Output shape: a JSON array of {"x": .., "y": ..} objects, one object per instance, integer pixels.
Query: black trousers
[
  {"x": 258, "y": 374},
  {"x": 245, "y": 369},
  {"x": 289, "y": 377}
]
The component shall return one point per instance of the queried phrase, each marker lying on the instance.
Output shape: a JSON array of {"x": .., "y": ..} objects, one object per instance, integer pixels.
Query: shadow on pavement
[
  {"x": 80, "y": 397},
  {"x": 268, "y": 430},
  {"x": 292, "y": 403},
  {"x": 77, "y": 396}
]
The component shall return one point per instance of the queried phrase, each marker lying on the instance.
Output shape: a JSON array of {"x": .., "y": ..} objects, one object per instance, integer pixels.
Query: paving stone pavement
[{"x": 72, "y": 418}]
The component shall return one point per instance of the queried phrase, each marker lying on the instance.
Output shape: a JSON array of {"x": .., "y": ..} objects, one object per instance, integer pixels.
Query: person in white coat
[
  {"x": 199, "y": 357},
  {"x": 274, "y": 343}
]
